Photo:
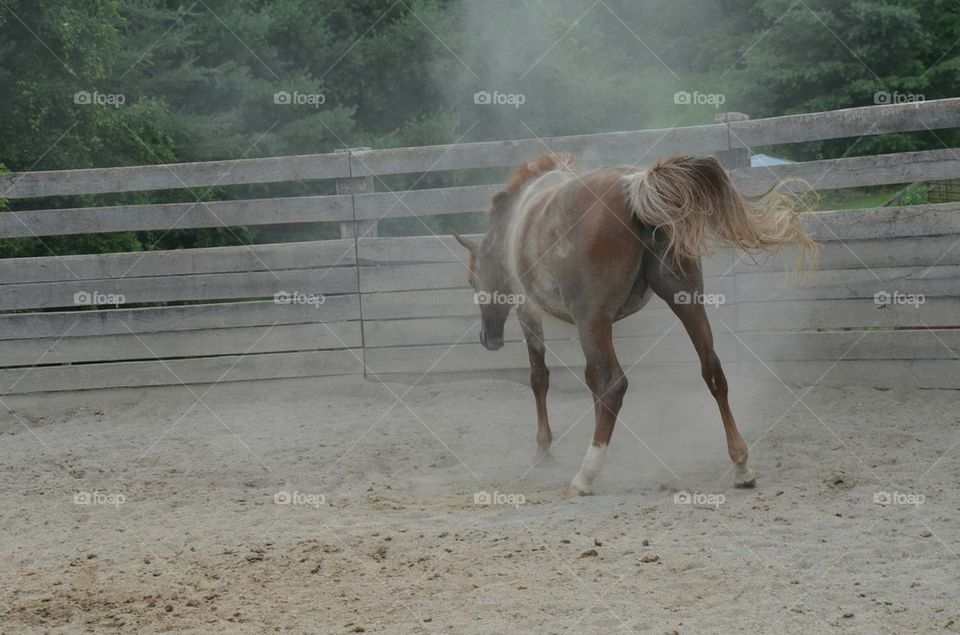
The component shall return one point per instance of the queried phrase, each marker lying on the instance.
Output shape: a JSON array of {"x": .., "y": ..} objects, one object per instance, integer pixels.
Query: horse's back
[{"x": 579, "y": 249}]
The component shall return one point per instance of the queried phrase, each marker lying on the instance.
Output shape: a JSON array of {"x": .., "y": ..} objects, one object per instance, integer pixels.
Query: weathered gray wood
[
  {"x": 187, "y": 371},
  {"x": 172, "y": 318},
  {"x": 176, "y": 344},
  {"x": 471, "y": 356},
  {"x": 164, "y": 216},
  {"x": 823, "y": 175},
  {"x": 881, "y": 169},
  {"x": 619, "y": 146},
  {"x": 459, "y": 302},
  {"x": 889, "y": 252},
  {"x": 173, "y": 176},
  {"x": 414, "y": 250},
  {"x": 438, "y": 275},
  {"x": 613, "y": 147},
  {"x": 874, "y": 344},
  {"x": 891, "y": 374},
  {"x": 274, "y": 257},
  {"x": 218, "y": 286},
  {"x": 655, "y": 319},
  {"x": 450, "y": 275},
  {"x": 850, "y": 122},
  {"x": 354, "y": 186},
  {"x": 738, "y": 157},
  {"x": 884, "y": 222},
  {"x": 849, "y": 283},
  {"x": 416, "y": 301},
  {"x": 451, "y": 200},
  {"x": 844, "y": 314},
  {"x": 439, "y": 302}
]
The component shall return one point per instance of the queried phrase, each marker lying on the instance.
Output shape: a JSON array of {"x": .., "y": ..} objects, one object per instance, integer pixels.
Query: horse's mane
[
  {"x": 529, "y": 170},
  {"x": 523, "y": 174}
]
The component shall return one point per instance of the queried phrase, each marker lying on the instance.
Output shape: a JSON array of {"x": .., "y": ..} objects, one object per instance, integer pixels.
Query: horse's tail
[{"x": 693, "y": 200}]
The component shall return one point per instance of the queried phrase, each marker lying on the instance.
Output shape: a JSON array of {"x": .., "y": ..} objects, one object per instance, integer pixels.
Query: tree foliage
[{"x": 200, "y": 81}]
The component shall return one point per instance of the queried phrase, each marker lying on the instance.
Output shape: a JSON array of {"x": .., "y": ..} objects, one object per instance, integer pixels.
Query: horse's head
[
  {"x": 487, "y": 266},
  {"x": 487, "y": 273}
]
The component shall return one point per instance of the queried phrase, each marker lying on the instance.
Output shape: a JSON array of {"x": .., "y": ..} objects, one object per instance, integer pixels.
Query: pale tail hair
[{"x": 693, "y": 200}]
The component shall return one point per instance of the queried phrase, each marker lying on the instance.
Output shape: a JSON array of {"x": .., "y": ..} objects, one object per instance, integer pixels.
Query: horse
[{"x": 592, "y": 248}]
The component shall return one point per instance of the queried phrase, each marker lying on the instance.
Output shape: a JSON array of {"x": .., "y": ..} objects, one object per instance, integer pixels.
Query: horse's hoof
[
  {"x": 573, "y": 490},
  {"x": 743, "y": 477}
]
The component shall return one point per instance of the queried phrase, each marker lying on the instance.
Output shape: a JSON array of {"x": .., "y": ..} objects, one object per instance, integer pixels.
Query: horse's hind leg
[
  {"x": 608, "y": 383},
  {"x": 532, "y": 327},
  {"x": 684, "y": 294}
]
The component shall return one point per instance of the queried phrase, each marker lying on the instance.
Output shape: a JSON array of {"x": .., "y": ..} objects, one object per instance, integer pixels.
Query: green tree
[{"x": 824, "y": 55}]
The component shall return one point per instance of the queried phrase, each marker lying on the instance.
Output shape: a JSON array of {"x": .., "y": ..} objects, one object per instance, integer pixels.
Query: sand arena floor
[{"x": 144, "y": 510}]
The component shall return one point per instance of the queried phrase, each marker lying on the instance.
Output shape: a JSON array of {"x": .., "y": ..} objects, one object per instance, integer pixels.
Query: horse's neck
[{"x": 517, "y": 219}]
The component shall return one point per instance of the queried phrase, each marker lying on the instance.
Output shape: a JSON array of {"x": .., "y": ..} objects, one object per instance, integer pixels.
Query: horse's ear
[
  {"x": 471, "y": 245},
  {"x": 497, "y": 204}
]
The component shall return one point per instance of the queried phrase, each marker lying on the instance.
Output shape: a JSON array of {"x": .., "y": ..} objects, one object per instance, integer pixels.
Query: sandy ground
[{"x": 142, "y": 510}]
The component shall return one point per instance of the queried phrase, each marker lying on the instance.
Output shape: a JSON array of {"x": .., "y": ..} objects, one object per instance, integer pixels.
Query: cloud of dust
[{"x": 538, "y": 69}]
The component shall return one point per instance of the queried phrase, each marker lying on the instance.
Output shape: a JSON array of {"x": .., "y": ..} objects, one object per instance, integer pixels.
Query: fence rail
[{"x": 401, "y": 306}]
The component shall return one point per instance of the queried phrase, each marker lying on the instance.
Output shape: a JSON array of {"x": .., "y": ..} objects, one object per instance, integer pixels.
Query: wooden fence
[{"x": 883, "y": 309}]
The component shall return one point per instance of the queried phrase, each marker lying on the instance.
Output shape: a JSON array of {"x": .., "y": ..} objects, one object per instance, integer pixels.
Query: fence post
[
  {"x": 731, "y": 159},
  {"x": 356, "y": 185},
  {"x": 355, "y": 229}
]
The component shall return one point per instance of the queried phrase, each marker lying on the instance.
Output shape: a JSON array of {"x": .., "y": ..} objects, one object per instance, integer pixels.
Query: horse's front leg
[
  {"x": 532, "y": 327},
  {"x": 608, "y": 383}
]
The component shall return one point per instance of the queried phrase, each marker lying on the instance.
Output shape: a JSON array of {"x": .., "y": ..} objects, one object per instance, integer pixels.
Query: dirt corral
[{"x": 342, "y": 505}]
